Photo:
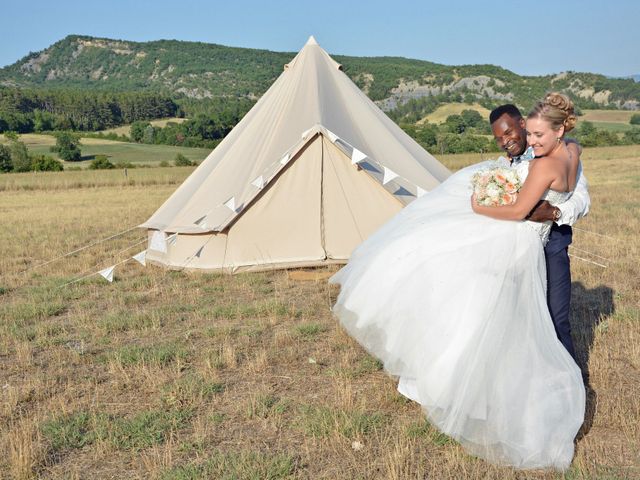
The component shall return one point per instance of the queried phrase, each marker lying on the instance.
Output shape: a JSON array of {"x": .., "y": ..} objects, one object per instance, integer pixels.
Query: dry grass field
[
  {"x": 442, "y": 112},
  {"x": 171, "y": 375},
  {"x": 613, "y": 116},
  {"x": 126, "y": 129}
]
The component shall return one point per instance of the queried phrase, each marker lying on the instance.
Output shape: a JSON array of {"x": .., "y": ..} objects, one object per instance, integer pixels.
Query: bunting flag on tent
[
  {"x": 388, "y": 175},
  {"x": 200, "y": 221},
  {"x": 231, "y": 204},
  {"x": 357, "y": 156},
  {"x": 172, "y": 239},
  {"x": 141, "y": 258},
  {"x": 107, "y": 273},
  {"x": 420, "y": 191},
  {"x": 306, "y": 133},
  {"x": 199, "y": 252},
  {"x": 333, "y": 137},
  {"x": 258, "y": 182},
  {"x": 285, "y": 159},
  {"x": 158, "y": 242}
]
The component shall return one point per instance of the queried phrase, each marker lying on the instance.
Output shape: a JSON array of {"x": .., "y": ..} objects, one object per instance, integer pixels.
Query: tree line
[{"x": 26, "y": 111}]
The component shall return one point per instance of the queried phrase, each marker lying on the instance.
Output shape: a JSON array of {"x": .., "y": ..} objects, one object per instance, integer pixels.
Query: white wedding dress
[{"x": 454, "y": 304}]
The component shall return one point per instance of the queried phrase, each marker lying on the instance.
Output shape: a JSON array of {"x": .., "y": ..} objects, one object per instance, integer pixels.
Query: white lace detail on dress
[{"x": 553, "y": 197}]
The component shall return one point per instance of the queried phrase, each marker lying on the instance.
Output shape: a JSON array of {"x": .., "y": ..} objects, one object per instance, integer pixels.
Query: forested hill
[{"x": 195, "y": 71}]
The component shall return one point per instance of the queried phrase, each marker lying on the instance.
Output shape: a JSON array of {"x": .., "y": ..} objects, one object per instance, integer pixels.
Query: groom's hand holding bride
[{"x": 543, "y": 212}]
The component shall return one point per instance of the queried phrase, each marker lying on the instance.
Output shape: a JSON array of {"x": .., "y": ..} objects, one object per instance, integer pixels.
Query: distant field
[
  {"x": 174, "y": 376},
  {"x": 609, "y": 116},
  {"x": 442, "y": 112},
  {"x": 612, "y": 126},
  {"x": 136, "y": 153},
  {"x": 125, "y": 129},
  {"x": 94, "y": 178}
]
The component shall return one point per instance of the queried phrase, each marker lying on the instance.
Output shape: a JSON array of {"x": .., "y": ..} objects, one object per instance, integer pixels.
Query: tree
[
  {"x": 45, "y": 163},
  {"x": 137, "y": 130},
  {"x": 635, "y": 119},
  {"x": 149, "y": 135},
  {"x": 101, "y": 162},
  {"x": 42, "y": 120},
  {"x": 472, "y": 118},
  {"x": 632, "y": 136},
  {"x": 587, "y": 128},
  {"x": 455, "y": 124},
  {"x": 20, "y": 156},
  {"x": 68, "y": 146},
  {"x": 6, "y": 165},
  {"x": 182, "y": 161}
]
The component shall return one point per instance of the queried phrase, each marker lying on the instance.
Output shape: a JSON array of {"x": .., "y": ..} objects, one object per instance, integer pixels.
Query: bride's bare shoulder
[{"x": 542, "y": 163}]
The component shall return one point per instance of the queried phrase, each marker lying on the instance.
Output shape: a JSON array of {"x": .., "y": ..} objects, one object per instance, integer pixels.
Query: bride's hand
[{"x": 474, "y": 203}]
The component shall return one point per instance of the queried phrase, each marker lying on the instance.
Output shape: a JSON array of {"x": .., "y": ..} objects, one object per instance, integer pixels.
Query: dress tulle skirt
[{"x": 454, "y": 304}]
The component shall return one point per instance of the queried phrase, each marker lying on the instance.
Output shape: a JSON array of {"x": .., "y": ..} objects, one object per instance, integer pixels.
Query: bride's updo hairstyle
[{"x": 557, "y": 109}]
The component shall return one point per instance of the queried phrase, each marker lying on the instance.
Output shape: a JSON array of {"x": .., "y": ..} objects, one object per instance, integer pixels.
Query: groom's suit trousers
[{"x": 559, "y": 283}]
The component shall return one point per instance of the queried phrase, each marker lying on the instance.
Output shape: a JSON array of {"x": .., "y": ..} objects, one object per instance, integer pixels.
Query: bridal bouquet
[{"x": 496, "y": 186}]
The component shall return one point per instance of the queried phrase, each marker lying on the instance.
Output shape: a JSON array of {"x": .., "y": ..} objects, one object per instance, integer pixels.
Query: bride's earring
[{"x": 558, "y": 139}]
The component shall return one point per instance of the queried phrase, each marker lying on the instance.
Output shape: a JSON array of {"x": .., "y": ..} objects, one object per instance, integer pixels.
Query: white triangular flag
[
  {"x": 357, "y": 156},
  {"x": 388, "y": 175},
  {"x": 158, "y": 242},
  {"x": 333, "y": 137},
  {"x": 306, "y": 132},
  {"x": 258, "y": 182},
  {"x": 199, "y": 252},
  {"x": 107, "y": 273},
  {"x": 202, "y": 222},
  {"x": 231, "y": 204},
  {"x": 285, "y": 159},
  {"x": 141, "y": 258},
  {"x": 172, "y": 239},
  {"x": 420, "y": 191}
]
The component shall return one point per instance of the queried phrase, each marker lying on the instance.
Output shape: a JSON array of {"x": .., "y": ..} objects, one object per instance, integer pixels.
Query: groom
[{"x": 508, "y": 129}]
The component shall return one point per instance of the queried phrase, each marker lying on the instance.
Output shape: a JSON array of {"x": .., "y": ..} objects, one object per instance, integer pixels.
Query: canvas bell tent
[{"x": 312, "y": 170}]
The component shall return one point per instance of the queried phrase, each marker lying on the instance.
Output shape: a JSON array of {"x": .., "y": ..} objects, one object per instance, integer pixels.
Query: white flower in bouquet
[{"x": 495, "y": 186}]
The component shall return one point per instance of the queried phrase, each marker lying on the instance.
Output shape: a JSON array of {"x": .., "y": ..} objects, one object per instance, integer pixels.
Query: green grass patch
[
  {"x": 246, "y": 465},
  {"x": 142, "y": 430},
  {"x": 217, "y": 418},
  {"x": 425, "y": 430},
  {"x": 190, "y": 390},
  {"x": 124, "y": 321},
  {"x": 266, "y": 406},
  {"x": 160, "y": 355},
  {"x": 265, "y": 308},
  {"x": 311, "y": 329},
  {"x": 324, "y": 421},
  {"x": 221, "y": 332},
  {"x": 69, "y": 432},
  {"x": 613, "y": 126},
  {"x": 29, "y": 312},
  {"x": 118, "y": 152},
  {"x": 132, "y": 433}
]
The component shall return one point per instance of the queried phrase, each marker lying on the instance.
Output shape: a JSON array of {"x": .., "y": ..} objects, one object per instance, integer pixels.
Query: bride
[{"x": 450, "y": 296}]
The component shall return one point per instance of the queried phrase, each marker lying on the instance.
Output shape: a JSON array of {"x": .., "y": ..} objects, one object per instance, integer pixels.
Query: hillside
[{"x": 197, "y": 71}]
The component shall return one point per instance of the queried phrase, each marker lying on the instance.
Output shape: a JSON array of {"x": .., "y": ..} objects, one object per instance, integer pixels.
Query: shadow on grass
[{"x": 589, "y": 307}]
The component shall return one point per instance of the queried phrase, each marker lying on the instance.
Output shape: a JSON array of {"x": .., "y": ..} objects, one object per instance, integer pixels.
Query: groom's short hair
[{"x": 509, "y": 109}]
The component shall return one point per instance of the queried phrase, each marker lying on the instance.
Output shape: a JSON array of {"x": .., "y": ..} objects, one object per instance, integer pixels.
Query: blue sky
[{"x": 527, "y": 37}]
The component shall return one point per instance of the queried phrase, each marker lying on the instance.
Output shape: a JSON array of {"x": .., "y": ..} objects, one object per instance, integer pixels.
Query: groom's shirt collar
[{"x": 525, "y": 157}]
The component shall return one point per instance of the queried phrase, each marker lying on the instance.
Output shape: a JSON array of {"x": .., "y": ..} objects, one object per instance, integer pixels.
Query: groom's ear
[{"x": 522, "y": 123}]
